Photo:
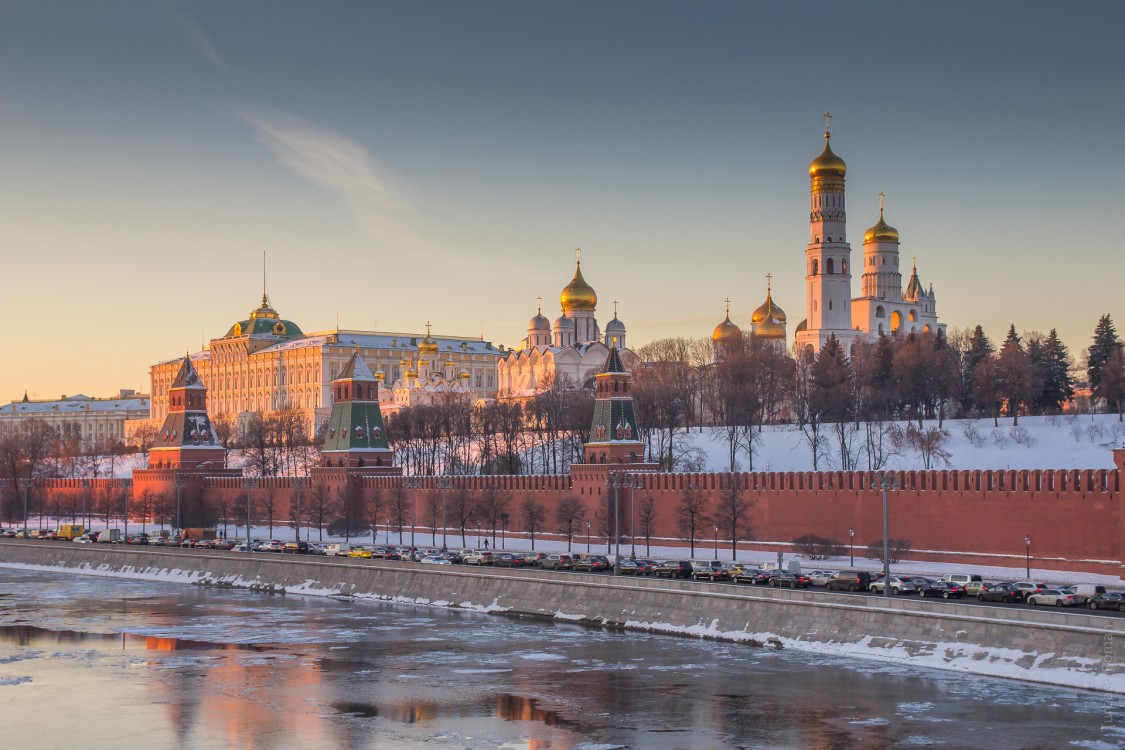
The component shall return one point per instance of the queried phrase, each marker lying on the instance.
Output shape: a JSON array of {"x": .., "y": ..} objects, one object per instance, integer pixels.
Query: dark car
[
  {"x": 674, "y": 569},
  {"x": 746, "y": 574},
  {"x": 519, "y": 559},
  {"x": 849, "y": 580},
  {"x": 1108, "y": 600},
  {"x": 781, "y": 579},
  {"x": 709, "y": 570},
  {"x": 594, "y": 564},
  {"x": 453, "y": 557},
  {"x": 503, "y": 560},
  {"x": 295, "y": 548},
  {"x": 944, "y": 589},
  {"x": 1001, "y": 592}
]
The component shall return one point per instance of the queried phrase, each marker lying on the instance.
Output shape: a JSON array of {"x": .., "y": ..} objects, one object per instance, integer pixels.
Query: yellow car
[{"x": 360, "y": 552}]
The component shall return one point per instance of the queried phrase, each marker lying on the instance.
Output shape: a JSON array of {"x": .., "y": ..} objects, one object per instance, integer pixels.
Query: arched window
[
  {"x": 912, "y": 316},
  {"x": 829, "y": 266},
  {"x": 843, "y": 266},
  {"x": 896, "y": 321},
  {"x": 815, "y": 267},
  {"x": 880, "y": 313}
]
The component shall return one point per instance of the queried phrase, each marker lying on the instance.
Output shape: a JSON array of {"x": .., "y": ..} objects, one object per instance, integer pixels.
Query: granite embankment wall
[{"x": 1071, "y": 648}]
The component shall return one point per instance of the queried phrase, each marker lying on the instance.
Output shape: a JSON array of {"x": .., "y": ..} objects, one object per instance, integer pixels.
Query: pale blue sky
[{"x": 405, "y": 162}]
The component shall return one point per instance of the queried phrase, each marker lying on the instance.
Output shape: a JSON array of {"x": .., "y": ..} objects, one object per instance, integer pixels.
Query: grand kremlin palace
[{"x": 266, "y": 363}]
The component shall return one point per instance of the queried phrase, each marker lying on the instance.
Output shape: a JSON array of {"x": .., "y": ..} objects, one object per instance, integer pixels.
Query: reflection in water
[{"x": 228, "y": 669}]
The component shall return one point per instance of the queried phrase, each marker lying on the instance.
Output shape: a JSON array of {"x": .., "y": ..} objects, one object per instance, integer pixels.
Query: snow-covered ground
[{"x": 1064, "y": 442}]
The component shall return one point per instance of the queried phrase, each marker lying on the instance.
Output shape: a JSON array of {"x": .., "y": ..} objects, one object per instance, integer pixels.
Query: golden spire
[
  {"x": 882, "y": 231},
  {"x": 827, "y": 164},
  {"x": 578, "y": 295}
]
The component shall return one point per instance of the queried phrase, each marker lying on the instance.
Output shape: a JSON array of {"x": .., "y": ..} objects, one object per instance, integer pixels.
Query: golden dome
[
  {"x": 464, "y": 375},
  {"x": 411, "y": 373},
  {"x": 827, "y": 164},
  {"x": 578, "y": 295},
  {"x": 881, "y": 232},
  {"x": 428, "y": 345},
  {"x": 726, "y": 332},
  {"x": 768, "y": 321}
]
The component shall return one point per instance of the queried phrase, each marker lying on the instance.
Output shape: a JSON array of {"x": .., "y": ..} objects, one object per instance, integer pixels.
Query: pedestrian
[{"x": 486, "y": 544}]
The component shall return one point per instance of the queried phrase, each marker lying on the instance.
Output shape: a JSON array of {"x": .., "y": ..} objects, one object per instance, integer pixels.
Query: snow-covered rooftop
[{"x": 76, "y": 404}]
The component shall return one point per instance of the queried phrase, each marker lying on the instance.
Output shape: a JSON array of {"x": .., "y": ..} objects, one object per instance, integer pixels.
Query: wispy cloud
[
  {"x": 196, "y": 36},
  {"x": 336, "y": 163}
]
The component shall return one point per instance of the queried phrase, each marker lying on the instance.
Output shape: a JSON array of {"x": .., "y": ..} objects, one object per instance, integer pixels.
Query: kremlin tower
[
  {"x": 356, "y": 438},
  {"x": 186, "y": 440}
]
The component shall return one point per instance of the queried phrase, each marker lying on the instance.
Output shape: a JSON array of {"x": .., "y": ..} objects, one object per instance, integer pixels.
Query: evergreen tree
[
  {"x": 1015, "y": 375},
  {"x": 1105, "y": 341},
  {"x": 1051, "y": 361},
  {"x": 980, "y": 349}
]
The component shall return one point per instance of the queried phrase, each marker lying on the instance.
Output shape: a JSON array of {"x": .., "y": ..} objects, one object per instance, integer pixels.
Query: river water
[{"x": 104, "y": 662}]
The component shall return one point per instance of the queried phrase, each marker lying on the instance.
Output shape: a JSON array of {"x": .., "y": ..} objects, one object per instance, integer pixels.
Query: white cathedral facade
[
  {"x": 883, "y": 306},
  {"x": 568, "y": 353}
]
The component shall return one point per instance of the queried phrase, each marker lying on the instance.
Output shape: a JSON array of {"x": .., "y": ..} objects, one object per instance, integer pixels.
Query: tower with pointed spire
[
  {"x": 356, "y": 438},
  {"x": 614, "y": 438},
  {"x": 883, "y": 306},
  {"x": 186, "y": 440}
]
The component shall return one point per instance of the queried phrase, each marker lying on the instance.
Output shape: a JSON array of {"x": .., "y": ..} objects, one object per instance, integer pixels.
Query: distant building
[
  {"x": 98, "y": 422},
  {"x": 572, "y": 351},
  {"x": 265, "y": 363}
]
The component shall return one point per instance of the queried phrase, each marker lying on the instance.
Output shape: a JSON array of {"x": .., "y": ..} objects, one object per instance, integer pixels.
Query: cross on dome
[{"x": 827, "y": 118}]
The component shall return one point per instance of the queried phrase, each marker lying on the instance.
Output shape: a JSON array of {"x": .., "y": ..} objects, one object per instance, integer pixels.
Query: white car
[
  {"x": 1055, "y": 597},
  {"x": 435, "y": 560},
  {"x": 83, "y": 540},
  {"x": 820, "y": 577},
  {"x": 274, "y": 545},
  {"x": 898, "y": 586}
]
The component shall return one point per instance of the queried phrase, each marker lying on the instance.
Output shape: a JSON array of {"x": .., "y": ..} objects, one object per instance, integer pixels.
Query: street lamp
[
  {"x": 298, "y": 482},
  {"x": 444, "y": 485},
  {"x": 615, "y": 481},
  {"x": 851, "y": 548},
  {"x": 248, "y": 483},
  {"x": 633, "y": 484},
  {"x": 25, "y": 484},
  {"x": 412, "y": 483},
  {"x": 503, "y": 530},
  {"x": 1027, "y": 555},
  {"x": 125, "y": 533},
  {"x": 587, "y": 533},
  {"x": 716, "y": 543},
  {"x": 178, "y": 483},
  {"x": 86, "y": 484},
  {"x": 888, "y": 483}
]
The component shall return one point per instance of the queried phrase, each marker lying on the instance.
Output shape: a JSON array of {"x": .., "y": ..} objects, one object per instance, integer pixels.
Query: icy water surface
[{"x": 100, "y": 662}]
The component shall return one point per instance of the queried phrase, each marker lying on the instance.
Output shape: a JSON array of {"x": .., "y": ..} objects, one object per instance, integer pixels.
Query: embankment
[{"x": 1065, "y": 648}]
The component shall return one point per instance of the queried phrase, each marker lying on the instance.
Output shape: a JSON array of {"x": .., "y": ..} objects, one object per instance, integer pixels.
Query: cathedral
[
  {"x": 883, "y": 306},
  {"x": 570, "y": 352}
]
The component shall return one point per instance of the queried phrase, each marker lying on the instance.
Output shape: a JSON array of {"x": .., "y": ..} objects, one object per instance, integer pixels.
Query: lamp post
[
  {"x": 125, "y": 533},
  {"x": 412, "y": 483},
  {"x": 298, "y": 482},
  {"x": 444, "y": 485},
  {"x": 178, "y": 483},
  {"x": 503, "y": 530},
  {"x": 633, "y": 484},
  {"x": 25, "y": 485},
  {"x": 615, "y": 482},
  {"x": 851, "y": 548},
  {"x": 1027, "y": 555},
  {"x": 716, "y": 543},
  {"x": 888, "y": 483},
  {"x": 587, "y": 533},
  {"x": 248, "y": 483},
  {"x": 85, "y": 503}
]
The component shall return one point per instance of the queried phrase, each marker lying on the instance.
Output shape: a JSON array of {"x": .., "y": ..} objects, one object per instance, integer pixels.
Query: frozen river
[{"x": 102, "y": 662}]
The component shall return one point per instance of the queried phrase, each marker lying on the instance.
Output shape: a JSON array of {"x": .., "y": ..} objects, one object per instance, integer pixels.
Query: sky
[{"x": 440, "y": 161}]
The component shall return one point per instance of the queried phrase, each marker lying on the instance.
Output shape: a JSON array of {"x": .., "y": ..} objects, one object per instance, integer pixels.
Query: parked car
[
  {"x": 1053, "y": 596},
  {"x": 962, "y": 579},
  {"x": 709, "y": 570},
  {"x": 453, "y": 557},
  {"x": 479, "y": 557},
  {"x": 295, "y": 548},
  {"x": 785, "y": 579},
  {"x": 1085, "y": 591},
  {"x": 1027, "y": 588},
  {"x": 849, "y": 580},
  {"x": 273, "y": 545},
  {"x": 972, "y": 588},
  {"x": 1001, "y": 592},
  {"x": 242, "y": 547},
  {"x": 674, "y": 569},
  {"x": 434, "y": 560},
  {"x": 557, "y": 561},
  {"x": 338, "y": 549},
  {"x": 593, "y": 564},
  {"x": 503, "y": 560},
  {"x": 1108, "y": 600},
  {"x": 360, "y": 552},
  {"x": 944, "y": 589},
  {"x": 84, "y": 539},
  {"x": 820, "y": 577},
  {"x": 318, "y": 549},
  {"x": 898, "y": 584},
  {"x": 629, "y": 567},
  {"x": 746, "y": 574}
]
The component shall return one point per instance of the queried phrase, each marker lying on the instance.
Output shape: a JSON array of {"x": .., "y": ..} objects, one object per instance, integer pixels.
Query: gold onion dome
[
  {"x": 768, "y": 321},
  {"x": 428, "y": 345},
  {"x": 578, "y": 295},
  {"x": 726, "y": 332},
  {"x": 827, "y": 164},
  {"x": 881, "y": 232}
]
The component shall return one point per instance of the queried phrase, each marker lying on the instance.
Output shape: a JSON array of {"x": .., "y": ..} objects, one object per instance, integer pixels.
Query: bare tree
[
  {"x": 570, "y": 515},
  {"x": 646, "y": 518},
  {"x": 534, "y": 514},
  {"x": 317, "y": 507},
  {"x": 691, "y": 513},
  {"x": 463, "y": 508},
  {"x": 732, "y": 513}
]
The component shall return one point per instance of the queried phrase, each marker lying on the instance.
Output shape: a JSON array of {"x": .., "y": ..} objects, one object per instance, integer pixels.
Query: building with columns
[
  {"x": 883, "y": 305},
  {"x": 570, "y": 352},
  {"x": 266, "y": 363},
  {"x": 97, "y": 423}
]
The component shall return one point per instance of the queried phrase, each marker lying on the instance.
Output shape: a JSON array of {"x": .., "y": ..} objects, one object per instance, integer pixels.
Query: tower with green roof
[
  {"x": 614, "y": 438},
  {"x": 356, "y": 437}
]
